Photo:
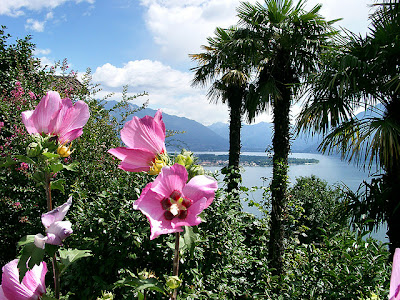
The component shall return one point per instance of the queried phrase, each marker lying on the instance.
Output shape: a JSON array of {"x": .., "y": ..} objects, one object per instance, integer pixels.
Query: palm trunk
[
  {"x": 233, "y": 175},
  {"x": 281, "y": 146}
]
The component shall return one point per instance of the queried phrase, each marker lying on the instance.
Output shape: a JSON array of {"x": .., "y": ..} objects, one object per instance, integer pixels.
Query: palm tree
[
  {"x": 286, "y": 43},
  {"x": 364, "y": 72},
  {"x": 226, "y": 68}
]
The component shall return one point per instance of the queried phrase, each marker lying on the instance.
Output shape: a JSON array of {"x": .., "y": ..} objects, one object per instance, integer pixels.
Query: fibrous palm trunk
[
  {"x": 281, "y": 146},
  {"x": 233, "y": 175}
]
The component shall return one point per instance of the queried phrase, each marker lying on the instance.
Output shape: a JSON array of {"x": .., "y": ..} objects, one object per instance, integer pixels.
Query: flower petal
[
  {"x": 39, "y": 121},
  {"x": 56, "y": 214},
  {"x": 2, "y": 297},
  {"x": 395, "y": 277},
  {"x": 201, "y": 186},
  {"x": 133, "y": 160},
  {"x": 32, "y": 285},
  {"x": 170, "y": 179},
  {"x": 40, "y": 240},
  {"x": 145, "y": 133},
  {"x": 74, "y": 117},
  {"x": 58, "y": 231}
]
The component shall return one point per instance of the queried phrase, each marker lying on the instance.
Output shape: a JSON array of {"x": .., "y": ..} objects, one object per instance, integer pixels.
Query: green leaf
[
  {"x": 151, "y": 284},
  {"x": 25, "y": 159},
  {"x": 68, "y": 256},
  {"x": 58, "y": 185},
  {"x": 56, "y": 167},
  {"x": 190, "y": 239},
  {"x": 72, "y": 166},
  {"x": 30, "y": 255},
  {"x": 44, "y": 297},
  {"x": 50, "y": 155},
  {"x": 8, "y": 161}
]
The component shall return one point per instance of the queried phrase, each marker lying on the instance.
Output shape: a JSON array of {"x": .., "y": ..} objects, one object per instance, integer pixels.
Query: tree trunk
[
  {"x": 235, "y": 110},
  {"x": 281, "y": 147},
  {"x": 393, "y": 213}
]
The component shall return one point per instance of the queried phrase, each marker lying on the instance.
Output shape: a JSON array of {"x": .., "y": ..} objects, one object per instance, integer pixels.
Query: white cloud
[
  {"x": 168, "y": 89},
  {"x": 16, "y": 8},
  {"x": 42, "y": 52},
  {"x": 34, "y": 25}
]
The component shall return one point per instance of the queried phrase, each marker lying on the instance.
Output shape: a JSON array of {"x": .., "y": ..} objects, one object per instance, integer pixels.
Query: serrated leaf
[
  {"x": 25, "y": 159},
  {"x": 56, "y": 167},
  {"x": 8, "y": 161},
  {"x": 30, "y": 256},
  {"x": 26, "y": 240},
  {"x": 151, "y": 284},
  {"x": 58, "y": 185},
  {"x": 68, "y": 256}
]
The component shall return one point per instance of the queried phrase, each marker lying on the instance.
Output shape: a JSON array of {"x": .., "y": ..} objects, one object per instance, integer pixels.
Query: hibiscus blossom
[
  {"x": 58, "y": 117},
  {"x": 170, "y": 203},
  {"x": 146, "y": 148},
  {"x": 31, "y": 287},
  {"x": 395, "y": 278},
  {"x": 56, "y": 229}
]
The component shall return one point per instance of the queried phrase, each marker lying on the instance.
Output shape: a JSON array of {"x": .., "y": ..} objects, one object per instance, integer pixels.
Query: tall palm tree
[
  {"x": 286, "y": 44},
  {"x": 364, "y": 72},
  {"x": 226, "y": 68}
]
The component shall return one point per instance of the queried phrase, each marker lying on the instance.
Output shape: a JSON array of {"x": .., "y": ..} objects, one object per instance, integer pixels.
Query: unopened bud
[
  {"x": 173, "y": 282},
  {"x": 64, "y": 151},
  {"x": 34, "y": 149},
  {"x": 195, "y": 170}
]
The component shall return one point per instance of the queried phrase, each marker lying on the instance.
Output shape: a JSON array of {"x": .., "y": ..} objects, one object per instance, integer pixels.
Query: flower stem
[
  {"x": 56, "y": 273},
  {"x": 176, "y": 263}
]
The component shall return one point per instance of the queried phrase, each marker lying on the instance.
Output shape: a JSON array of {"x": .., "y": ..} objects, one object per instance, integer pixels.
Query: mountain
[
  {"x": 258, "y": 137},
  {"x": 193, "y": 135}
]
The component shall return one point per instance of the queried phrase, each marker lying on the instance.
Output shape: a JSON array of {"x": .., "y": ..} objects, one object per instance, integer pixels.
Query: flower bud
[
  {"x": 34, "y": 149},
  {"x": 195, "y": 170},
  {"x": 173, "y": 282},
  {"x": 64, "y": 151}
]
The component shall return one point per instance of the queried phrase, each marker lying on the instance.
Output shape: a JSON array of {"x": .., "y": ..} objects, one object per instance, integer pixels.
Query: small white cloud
[
  {"x": 38, "y": 52},
  {"x": 49, "y": 15},
  {"x": 45, "y": 61},
  {"x": 34, "y": 25}
]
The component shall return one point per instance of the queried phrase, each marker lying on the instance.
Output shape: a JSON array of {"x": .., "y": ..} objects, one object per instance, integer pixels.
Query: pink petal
[
  {"x": 70, "y": 136},
  {"x": 133, "y": 160},
  {"x": 57, "y": 122},
  {"x": 170, "y": 179},
  {"x": 58, "y": 231},
  {"x": 201, "y": 186},
  {"x": 192, "y": 218},
  {"x": 39, "y": 121},
  {"x": 40, "y": 240},
  {"x": 149, "y": 204},
  {"x": 73, "y": 119},
  {"x": 2, "y": 297},
  {"x": 146, "y": 133},
  {"x": 32, "y": 285},
  {"x": 34, "y": 279},
  {"x": 56, "y": 214},
  {"x": 395, "y": 278}
]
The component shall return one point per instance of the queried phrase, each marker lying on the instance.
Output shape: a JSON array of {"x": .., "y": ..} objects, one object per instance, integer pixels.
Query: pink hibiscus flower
[
  {"x": 31, "y": 287},
  {"x": 170, "y": 203},
  {"x": 57, "y": 230},
  {"x": 145, "y": 140},
  {"x": 395, "y": 278},
  {"x": 56, "y": 116}
]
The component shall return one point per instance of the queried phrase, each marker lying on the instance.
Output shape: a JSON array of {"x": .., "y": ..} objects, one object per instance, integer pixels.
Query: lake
[{"x": 330, "y": 168}]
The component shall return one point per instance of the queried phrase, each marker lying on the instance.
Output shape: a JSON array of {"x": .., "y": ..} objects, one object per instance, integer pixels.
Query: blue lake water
[{"x": 330, "y": 168}]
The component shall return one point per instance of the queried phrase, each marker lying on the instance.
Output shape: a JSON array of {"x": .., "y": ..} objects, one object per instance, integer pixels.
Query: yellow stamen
[
  {"x": 63, "y": 151},
  {"x": 156, "y": 166}
]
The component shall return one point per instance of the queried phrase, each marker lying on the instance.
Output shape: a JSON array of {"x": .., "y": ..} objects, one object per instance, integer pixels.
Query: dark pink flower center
[{"x": 175, "y": 205}]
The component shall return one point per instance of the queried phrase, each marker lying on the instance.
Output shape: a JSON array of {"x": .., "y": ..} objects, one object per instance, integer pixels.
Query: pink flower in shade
[
  {"x": 31, "y": 287},
  {"x": 395, "y": 278},
  {"x": 56, "y": 116},
  {"x": 170, "y": 203},
  {"x": 145, "y": 140},
  {"x": 56, "y": 229}
]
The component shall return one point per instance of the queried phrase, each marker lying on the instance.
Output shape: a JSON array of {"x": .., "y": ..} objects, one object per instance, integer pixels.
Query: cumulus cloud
[
  {"x": 168, "y": 89},
  {"x": 34, "y": 25},
  {"x": 38, "y": 52},
  {"x": 17, "y": 8},
  {"x": 180, "y": 27}
]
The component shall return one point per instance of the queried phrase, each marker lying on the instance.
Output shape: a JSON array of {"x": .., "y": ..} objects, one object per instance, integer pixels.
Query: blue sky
[{"x": 143, "y": 43}]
